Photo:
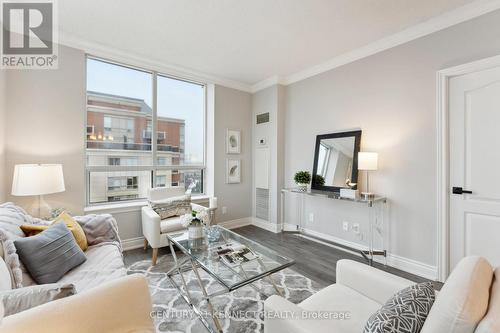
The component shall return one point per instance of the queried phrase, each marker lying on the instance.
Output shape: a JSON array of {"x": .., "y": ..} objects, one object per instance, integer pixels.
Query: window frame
[{"x": 154, "y": 140}]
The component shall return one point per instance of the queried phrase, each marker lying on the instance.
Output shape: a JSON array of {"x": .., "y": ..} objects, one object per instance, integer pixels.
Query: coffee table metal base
[{"x": 189, "y": 264}]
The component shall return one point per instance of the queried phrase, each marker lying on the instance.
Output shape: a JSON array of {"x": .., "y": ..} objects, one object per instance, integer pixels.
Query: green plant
[
  {"x": 195, "y": 218},
  {"x": 319, "y": 180},
  {"x": 302, "y": 177}
]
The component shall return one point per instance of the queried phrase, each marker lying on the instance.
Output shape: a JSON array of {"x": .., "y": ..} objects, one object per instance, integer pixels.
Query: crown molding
[
  {"x": 443, "y": 21},
  {"x": 272, "y": 81},
  {"x": 136, "y": 60}
]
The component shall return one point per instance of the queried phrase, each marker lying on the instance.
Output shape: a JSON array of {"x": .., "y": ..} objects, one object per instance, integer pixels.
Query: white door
[{"x": 474, "y": 107}]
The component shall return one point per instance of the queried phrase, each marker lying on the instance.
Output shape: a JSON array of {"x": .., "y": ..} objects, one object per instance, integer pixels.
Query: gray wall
[
  {"x": 391, "y": 96},
  {"x": 45, "y": 124},
  {"x": 3, "y": 110},
  {"x": 233, "y": 111}
]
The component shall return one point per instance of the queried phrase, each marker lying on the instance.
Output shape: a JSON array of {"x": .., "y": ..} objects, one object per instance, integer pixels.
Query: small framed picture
[
  {"x": 233, "y": 141},
  {"x": 233, "y": 171}
]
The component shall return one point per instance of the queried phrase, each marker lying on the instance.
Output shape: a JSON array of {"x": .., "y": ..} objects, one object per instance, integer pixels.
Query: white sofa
[
  {"x": 468, "y": 302},
  {"x": 104, "y": 254},
  {"x": 154, "y": 228},
  {"x": 121, "y": 305}
]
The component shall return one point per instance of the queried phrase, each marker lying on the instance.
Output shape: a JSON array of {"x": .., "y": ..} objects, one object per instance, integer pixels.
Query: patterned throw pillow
[
  {"x": 175, "y": 206},
  {"x": 405, "y": 312}
]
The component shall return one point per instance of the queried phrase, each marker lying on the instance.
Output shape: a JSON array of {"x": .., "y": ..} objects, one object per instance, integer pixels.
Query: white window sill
[{"x": 131, "y": 206}]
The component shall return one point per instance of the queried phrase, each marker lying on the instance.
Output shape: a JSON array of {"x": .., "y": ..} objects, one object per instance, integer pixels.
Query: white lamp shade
[
  {"x": 367, "y": 161},
  {"x": 37, "y": 179}
]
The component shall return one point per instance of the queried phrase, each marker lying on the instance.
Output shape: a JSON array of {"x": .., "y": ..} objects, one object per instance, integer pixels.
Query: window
[
  {"x": 161, "y": 181},
  {"x": 131, "y": 145},
  {"x": 122, "y": 183},
  {"x": 128, "y": 161}
]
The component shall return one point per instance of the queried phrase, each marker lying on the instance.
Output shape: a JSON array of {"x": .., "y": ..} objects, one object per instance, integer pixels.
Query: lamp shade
[
  {"x": 37, "y": 179},
  {"x": 367, "y": 161}
]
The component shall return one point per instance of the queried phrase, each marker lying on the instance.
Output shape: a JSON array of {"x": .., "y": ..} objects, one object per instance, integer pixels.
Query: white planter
[
  {"x": 195, "y": 232},
  {"x": 302, "y": 187}
]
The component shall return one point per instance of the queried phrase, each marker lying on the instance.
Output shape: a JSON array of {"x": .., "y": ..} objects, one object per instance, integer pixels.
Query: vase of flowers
[
  {"x": 194, "y": 223},
  {"x": 302, "y": 179}
]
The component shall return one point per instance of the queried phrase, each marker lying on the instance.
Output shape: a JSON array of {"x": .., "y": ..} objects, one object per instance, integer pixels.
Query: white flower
[
  {"x": 186, "y": 220},
  {"x": 203, "y": 216}
]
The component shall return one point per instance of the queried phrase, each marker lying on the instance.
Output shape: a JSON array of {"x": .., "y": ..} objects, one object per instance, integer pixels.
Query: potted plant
[
  {"x": 302, "y": 179},
  {"x": 194, "y": 223}
]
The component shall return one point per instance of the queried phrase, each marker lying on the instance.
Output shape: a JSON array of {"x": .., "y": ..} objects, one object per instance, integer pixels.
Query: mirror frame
[{"x": 354, "y": 177}]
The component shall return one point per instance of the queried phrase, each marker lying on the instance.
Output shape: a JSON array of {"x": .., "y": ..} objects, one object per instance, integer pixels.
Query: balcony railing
[{"x": 93, "y": 144}]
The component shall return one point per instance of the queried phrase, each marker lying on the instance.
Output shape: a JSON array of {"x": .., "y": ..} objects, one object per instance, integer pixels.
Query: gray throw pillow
[
  {"x": 21, "y": 299},
  {"x": 405, "y": 312},
  {"x": 50, "y": 254}
]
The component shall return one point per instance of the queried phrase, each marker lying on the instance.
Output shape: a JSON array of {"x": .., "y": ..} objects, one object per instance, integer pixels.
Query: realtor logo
[{"x": 29, "y": 35}]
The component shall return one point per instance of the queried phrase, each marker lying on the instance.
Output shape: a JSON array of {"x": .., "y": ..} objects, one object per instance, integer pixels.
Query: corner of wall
[{"x": 232, "y": 111}]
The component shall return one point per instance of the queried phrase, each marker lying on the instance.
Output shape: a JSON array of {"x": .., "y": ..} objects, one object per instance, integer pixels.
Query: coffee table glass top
[{"x": 206, "y": 252}]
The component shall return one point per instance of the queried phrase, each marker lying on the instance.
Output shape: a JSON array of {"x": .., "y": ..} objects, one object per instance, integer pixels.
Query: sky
[{"x": 176, "y": 99}]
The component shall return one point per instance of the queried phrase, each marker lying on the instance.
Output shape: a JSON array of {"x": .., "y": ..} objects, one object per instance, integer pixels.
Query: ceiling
[{"x": 246, "y": 41}]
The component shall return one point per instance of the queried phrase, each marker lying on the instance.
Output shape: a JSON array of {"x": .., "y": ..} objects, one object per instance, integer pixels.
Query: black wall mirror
[{"x": 336, "y": 161}]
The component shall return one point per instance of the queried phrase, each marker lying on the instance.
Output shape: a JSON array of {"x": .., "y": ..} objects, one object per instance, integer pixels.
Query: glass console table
[{"x": 377, "y": 220}]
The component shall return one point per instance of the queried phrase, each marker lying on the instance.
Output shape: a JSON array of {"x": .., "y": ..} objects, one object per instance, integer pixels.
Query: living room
[{"x": 265, "y": 166}]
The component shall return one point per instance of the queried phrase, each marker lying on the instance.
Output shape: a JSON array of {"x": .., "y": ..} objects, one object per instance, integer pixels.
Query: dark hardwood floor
[{"x": 312, "y": 259}]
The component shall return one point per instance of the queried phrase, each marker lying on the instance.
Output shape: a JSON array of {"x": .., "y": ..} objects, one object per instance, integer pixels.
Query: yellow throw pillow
[
  {"x": 33, "y": 229},
  {"x": 75, "y": 228}
]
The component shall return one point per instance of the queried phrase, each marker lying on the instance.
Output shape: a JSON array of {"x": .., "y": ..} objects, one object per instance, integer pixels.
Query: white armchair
[
  {"x": 359, "y": 292},
  {"x": 469, "y": 301},
  {"x": 154, "y": 229}
]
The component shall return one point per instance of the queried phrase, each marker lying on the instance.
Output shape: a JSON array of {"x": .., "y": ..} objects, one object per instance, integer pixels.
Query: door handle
[{"x": 459, "y": 190}]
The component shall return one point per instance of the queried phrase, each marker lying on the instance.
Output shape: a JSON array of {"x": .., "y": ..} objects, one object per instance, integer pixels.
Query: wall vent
[
  {"x": 263, "y": 118},
  {"x": 262, "y": 204}
]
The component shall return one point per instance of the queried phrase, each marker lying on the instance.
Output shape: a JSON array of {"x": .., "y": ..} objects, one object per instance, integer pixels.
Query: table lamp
[
  {"x": 40, "y": 180},
  {"x": 367, "y": 161}
]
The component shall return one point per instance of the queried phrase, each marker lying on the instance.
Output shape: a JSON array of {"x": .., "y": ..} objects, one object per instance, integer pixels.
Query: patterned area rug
[{"x": 241, "y": 311}]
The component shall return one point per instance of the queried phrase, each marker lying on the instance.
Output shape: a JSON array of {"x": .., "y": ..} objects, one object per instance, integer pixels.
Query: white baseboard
[
  {"x": 413, "y": 266},
  {"x": 263, "y": 224},
  {"x": 255, "y": 221},
  {"x": 290, "y": 227},
  {"x": 405, "y": 264},
  {"x": 132, "y": 243},
  {"x": 232, "y": 224}
]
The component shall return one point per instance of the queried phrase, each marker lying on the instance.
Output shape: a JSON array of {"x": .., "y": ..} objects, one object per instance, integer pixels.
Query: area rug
[{"x": 241, "y": 311}]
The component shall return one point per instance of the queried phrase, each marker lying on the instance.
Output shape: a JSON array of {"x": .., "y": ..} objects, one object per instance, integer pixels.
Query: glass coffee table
[{"x": 207, "y": 254}]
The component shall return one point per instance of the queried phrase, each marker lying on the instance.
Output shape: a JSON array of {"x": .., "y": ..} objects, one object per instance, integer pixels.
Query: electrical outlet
[
  {"x": 355, "y": 228},
  {"x": 224, "y": 210},
  {"x": 311, "y": 217},
  {"x": 345, "y": 226}
]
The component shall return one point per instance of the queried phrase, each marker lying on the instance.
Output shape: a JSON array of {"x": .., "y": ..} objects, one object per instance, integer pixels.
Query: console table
[{"x": 377, "y": 212}]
